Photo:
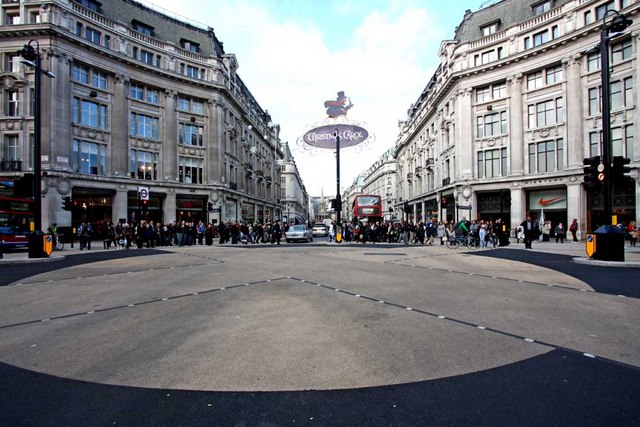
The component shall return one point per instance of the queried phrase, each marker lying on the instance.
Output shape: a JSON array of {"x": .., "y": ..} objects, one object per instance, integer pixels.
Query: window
[
  {"x": 488, "y": 93},
  {"x": 144, "y": 93},
  {"x": 89, "y": 76},
  {"x": 535, "y": 80},
  {"x": 540, "y": 38},
  {"x": 604, "y": 8},
  {"x": 136, "y": 91},
  {"x": 192, "y": 71},
  {"x": 191, "y": 135},
  {"x": 546, "y": 156},
  {"x": 12, "y": 17},
  {"x": 189, "y": 45},
  {"x": 146, "y": 56},
  {"x": 499, "y": 91},
  {"x": 12, "y": 63},
  {"x": 191, "y": 170},
  {"x": 482, "y": 94},
  {"x": 34, "y": 17},
  {"x": 491, "y": 125},
  {"x": 88, "y": 113},
  {"x": 89, "y": 158},
  {"x": 81, "y": 73},
  {"x": 593, "y": 61},
  {"x": 99, "y": 79},
  {"x": 621, "y": 92},
  {"x": 143, "y": 165},
  {"x": 92, "y": 35},
  {"x": 10, "y": 148},
  {"x": 492, "y": 163},
  {"x": 594, "y": 143},
  {"x": 588, "y": 17},
  {"x": 622, "y": 141},
  {"x": 143, "y": 126},
  {"x": 12, "y": 103},
  {"x": 540, "y": 8},
  {"x": 621, "y": 51},
  {"x": 142, "y": 28},
  {"x": 90, "y": 4},
  {"x": 193, "y": 105},
  {"x": 546, "y": 113},
  {"x": 489, "y": 29},
  {"x": 554, "y": 74}
]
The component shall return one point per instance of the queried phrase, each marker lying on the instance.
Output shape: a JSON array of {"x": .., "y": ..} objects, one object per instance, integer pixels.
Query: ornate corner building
[
  {"x": 503, "y": 126},
  {"x": 141, "y": 100}
]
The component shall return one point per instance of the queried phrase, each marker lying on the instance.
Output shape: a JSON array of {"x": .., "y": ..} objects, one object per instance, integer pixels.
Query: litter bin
[
  {"x": 609, "y": 244},
  {"x": 37, "y": 245}
]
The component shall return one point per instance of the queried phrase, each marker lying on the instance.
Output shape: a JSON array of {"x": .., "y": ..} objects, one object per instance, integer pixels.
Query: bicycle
[{"x": 471, "y": 242}]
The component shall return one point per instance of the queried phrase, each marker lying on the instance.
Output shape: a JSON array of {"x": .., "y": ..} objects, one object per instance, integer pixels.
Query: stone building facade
[
  {"x": 140, "y": 101},
  {"x": 503, "y": 126},
  {"x": 294, "y": 198}
]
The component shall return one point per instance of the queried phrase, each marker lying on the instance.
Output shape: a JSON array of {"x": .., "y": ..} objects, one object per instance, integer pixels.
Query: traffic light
[
  {"x": 593, "y": 168},
  {"x": 67, "y": 204},
  {"x": 210, "y": 206},
  {"x": 620, "y": 171},
  {"x": 444, "y": 202}
]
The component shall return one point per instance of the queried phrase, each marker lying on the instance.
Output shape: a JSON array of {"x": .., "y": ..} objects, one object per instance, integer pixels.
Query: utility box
[{"x": 609, "y": 244}]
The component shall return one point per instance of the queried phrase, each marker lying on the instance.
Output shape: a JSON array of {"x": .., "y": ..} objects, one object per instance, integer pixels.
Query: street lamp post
[{"x": 31, "y": 57}]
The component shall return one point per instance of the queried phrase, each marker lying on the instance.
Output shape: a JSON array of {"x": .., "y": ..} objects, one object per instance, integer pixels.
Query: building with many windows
[
  {"x": 294, "y": 197},
  {"x": 140, "y": 101},
  {"x": 503, "y": 126}
]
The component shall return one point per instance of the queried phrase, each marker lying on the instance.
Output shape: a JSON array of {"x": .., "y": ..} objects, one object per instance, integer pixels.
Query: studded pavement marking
[
  {"x": 338, "y": 290},
  {"x": 467, "y": 323},
  {"x": 139, "y": 303},
  {"x": 488, "y": 276}
]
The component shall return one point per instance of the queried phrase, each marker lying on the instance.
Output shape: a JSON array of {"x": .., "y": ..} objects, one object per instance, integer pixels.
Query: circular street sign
[
  {"x": 601, "y": 167},
  {"x": 600, "y": 177},
  {"x": 144, "y": 194}
]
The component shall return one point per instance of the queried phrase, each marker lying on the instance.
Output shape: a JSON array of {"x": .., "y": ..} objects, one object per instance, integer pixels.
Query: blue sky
[{"x": 295, "y": 54}]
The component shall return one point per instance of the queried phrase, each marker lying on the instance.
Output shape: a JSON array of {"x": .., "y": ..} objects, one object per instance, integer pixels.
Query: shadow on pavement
[
  {"x": 557, "y": 388},
  {"x": 605, "y": 280},
  {"x": 10, "y": 273}
]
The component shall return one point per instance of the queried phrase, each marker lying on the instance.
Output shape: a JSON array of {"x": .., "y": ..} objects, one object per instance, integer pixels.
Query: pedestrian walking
[{"x": 531, "y": 231}]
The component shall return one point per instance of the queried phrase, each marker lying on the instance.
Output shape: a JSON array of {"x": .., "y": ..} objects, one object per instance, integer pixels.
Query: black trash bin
[
  {"x": 609, "y": 243},
  {"x": 36, "y": 245}
]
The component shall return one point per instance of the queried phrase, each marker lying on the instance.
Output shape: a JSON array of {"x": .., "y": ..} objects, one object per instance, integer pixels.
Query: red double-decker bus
[
  {"x": 16, "y": 217},
  {"x": 367, "y": 206}
]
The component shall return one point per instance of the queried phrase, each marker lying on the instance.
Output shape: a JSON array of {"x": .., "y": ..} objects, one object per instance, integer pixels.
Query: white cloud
[{"x": 291, "y": 72}]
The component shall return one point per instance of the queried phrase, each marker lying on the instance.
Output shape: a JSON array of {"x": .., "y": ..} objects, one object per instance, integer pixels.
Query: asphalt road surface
[{"x": 317, "y": 334}]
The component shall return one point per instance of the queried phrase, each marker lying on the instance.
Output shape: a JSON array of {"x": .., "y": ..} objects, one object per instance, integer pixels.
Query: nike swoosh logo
[{"x": 544, "y": 202}]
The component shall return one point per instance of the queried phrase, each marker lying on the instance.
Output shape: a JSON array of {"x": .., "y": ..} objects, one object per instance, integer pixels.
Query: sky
[{"x": 294, "y": 55}]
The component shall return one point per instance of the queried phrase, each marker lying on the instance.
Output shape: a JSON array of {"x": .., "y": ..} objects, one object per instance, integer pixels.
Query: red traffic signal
[{"x": 620, "y": 171}]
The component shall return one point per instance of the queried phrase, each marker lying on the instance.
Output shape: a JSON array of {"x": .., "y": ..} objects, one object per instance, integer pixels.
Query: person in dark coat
[{"x": 531, "y": 231}]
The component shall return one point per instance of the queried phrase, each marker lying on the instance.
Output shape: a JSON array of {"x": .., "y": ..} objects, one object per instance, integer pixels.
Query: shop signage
[{"x": 548, "y": 199}]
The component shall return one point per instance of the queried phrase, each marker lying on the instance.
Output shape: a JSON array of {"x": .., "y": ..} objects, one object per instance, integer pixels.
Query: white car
[
  {"x": 298, "y": 233},
  {"x": 320, "y": 229}
]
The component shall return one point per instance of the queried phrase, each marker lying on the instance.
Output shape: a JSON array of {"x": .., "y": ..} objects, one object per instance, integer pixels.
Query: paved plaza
[{"x": 319, "y": 334}]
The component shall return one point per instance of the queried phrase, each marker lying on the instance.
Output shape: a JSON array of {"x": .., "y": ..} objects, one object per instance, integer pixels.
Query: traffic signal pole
[{"x": 606, "y": 124}]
